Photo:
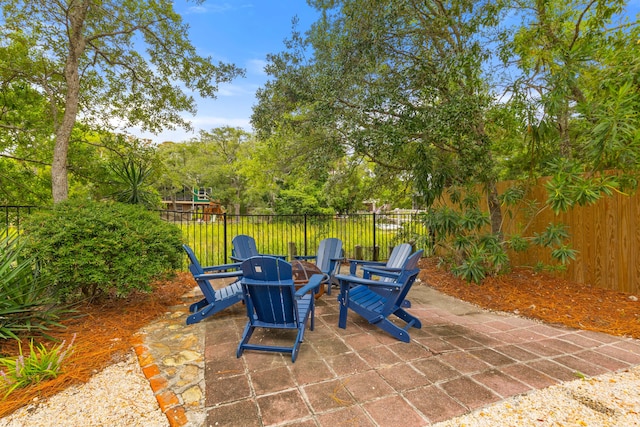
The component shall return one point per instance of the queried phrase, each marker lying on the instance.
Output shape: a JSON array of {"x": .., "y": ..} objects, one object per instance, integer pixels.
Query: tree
[
  {"x": 578, "y": 84},
  {"x": 83, "y": 55},
  {"x": 400, "y": 82}
]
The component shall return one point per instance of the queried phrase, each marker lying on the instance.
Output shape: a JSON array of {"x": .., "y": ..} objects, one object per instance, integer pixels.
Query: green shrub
[
  {"x": 91, "y": 248},
  {"x": 27, "y": 302}
]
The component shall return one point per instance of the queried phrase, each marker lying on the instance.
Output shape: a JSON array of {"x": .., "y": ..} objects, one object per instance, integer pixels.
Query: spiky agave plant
[{"x": 27, "y": 303}]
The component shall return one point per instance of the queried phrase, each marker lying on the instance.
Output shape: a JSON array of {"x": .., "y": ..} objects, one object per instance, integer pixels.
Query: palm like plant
[
  {"x": 132, "y": 176},
  {"x": 27, "y": 303}
]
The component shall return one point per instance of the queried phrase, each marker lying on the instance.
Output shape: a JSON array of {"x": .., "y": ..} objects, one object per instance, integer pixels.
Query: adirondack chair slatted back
[
  {"x": 206, "y": 289},
  {"x": 273, "y": 303},
  {"x": 399, "y": 255},
  {"x": 408, "y": 275},
  {"x": 194, "y": 265},
  {"x": 329, "y": 249},
  {"x": 244, "y": 247},
  {"x": 271, "y": 297},
  {"x": 214, "y": 300}
]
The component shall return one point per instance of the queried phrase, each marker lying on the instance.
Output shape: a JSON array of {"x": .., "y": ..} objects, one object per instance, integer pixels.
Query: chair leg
[
  {"x": 248, "y": 331},
  {"x": 196, "y": 306},
  {"x": 344, "y": 306},
  {"x": 410, "y": 319},
  {"x": 394, "y": 330}
]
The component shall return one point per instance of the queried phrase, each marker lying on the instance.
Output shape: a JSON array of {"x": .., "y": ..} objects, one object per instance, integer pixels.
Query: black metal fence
[{"x": 366, "y": 236}]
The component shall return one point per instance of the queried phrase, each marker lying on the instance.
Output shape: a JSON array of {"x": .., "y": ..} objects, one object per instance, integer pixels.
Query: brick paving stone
[
  {"x": 516, "y": 353},
  {"x": 243, "y": 413},
  {"x": 393, "y": 411},
  {"x": 226, "y": 390},
  {"x": 280, "y": 407},
  {"x": 328, "y": 395},
  {"x": 554, "y": 370},
  {"x": 435, "y": 371},
  {"x": 579, "y": 365},
  {"x": 271, "y": 380},
  {"x": 367, "y": 386},
  {"x": 529, "y": 376},
  {"x": 469, "y": 393},
  {"x": 434, "y": 403},
  {"x": 403, "y": 377},
  {"x": 464, "y": 361},
  {"x": 492, "y": 357},
  {"x": 346, "y": 364},
  {"x": 350, "y": 416},
  {"x": 501, "y": 384},
  {"x": 460, "y": 360}
]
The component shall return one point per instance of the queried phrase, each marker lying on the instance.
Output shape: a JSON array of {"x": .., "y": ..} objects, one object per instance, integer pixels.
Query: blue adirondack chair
[
  {"x": 244, "y": 247},
  {"x": 327, "y": 259},
  {"x": 396, "y": 260},
  {"x": 214, "y": 300},
  {"x": 377, "y": 300},
  {"x": 394, "y": 264},
  {"x": 273, "y": 302}
]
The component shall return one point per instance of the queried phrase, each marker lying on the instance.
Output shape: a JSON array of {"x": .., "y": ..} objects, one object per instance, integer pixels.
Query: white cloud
[{"x": 256, "y": 66}]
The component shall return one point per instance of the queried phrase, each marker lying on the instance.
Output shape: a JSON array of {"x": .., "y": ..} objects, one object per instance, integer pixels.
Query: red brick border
[{"x": 167, "y": 399}]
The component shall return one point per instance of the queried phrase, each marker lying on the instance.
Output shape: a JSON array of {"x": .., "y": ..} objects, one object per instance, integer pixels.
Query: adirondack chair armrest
[
  {"x": 236, "y": 259},
  {"x": 223, "y": 267},
  {"x": 355, "y": 280},
  {"x": 312, "y": 285},
  {"x": 354, "y": 263},
  {"x": 383, "y": 272},
  {"x": 220, "y": 275}
]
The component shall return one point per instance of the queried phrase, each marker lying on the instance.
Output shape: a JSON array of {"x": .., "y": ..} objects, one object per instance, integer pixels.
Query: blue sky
[{"x": 241, "y": 32}]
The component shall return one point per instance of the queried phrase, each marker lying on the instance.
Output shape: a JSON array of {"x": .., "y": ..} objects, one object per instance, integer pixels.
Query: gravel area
[
  {"x": 120, "y": 395},
  {"x": 606, "y": 400}
]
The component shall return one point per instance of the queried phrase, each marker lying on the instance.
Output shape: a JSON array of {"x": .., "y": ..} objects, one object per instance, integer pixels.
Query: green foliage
[
  {"x": 298, "y": 202},
  {"x": 460, "y": 235},
  {"x": 27, "y": 301},
  {"x": 39, "y": 365},
  {"x": 100, "y": 74},
  {"x": 570, "y": 186},
  {"x": 94, "y": 248},
  {"x": 133, "y": 176}
]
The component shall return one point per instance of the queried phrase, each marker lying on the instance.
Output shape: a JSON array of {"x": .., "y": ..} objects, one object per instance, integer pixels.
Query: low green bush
[
  {"x": 90, "y": 248},
  {"x": 27, "y": 302}
]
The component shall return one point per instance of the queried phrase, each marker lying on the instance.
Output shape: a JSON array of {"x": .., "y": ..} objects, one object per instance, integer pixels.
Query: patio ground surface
[{"x": 462, "y": 359}]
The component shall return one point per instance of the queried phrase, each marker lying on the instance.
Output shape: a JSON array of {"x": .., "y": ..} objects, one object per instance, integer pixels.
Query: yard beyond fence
[
  {"x": 366, "y": 236},
  {"x": 369, "y": 236}
]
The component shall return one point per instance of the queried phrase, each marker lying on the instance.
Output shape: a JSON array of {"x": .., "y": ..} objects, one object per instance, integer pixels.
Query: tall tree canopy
[
  {"x": 400, "y": 82},
  {"x": 106, "y": 63}
]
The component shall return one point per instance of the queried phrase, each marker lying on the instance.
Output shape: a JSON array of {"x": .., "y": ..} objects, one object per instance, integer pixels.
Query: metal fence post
[
  {"x": 373, "y": 250},
  {"x": 305, "y": 235},
  {"x": 224, "y": 233}
]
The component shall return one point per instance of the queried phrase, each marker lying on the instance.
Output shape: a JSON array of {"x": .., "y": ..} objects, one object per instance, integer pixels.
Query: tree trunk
[
  {"x": 495, "y": 211},
  {"x": 59, "y": 176}
]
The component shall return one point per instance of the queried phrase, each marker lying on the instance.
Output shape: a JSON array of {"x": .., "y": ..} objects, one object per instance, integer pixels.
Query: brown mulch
[
  {"x": 104, "y": 333},
  {"x": 545, "y": 297}
]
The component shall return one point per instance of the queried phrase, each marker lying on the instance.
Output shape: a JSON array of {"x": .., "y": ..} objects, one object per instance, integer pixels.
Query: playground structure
[{"x": 195, "y": 204}]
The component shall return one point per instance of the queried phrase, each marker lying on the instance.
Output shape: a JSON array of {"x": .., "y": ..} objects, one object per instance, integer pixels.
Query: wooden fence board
[{"x": 605, "y": 234}]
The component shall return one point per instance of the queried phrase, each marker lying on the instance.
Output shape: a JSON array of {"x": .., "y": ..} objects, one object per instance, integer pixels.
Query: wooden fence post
[{"x": 292, "y": 251}]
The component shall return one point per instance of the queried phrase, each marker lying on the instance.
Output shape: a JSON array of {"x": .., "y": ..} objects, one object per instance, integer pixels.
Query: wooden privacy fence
[{"x": 605, "y": 234}]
